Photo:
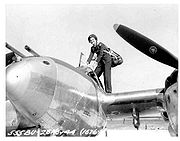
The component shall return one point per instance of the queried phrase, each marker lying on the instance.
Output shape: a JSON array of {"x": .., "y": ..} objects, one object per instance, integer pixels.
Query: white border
[{"x": 129, "y": 135}]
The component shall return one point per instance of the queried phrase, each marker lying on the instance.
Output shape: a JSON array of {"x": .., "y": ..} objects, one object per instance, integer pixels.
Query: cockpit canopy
[{"x": 88, "y": 71}]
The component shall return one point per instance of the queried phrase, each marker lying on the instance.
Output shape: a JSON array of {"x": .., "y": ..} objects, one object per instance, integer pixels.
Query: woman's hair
[{"x": 92, "y": 36}]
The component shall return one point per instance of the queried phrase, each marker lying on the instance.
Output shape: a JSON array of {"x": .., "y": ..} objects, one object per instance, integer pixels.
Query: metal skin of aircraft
[{"x": 65, "y": 101}]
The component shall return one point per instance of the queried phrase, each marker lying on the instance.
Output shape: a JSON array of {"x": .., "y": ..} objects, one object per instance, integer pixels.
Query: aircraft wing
[
  {"x": 133, "y": 104},
  {"x": 151, "y": 119}
]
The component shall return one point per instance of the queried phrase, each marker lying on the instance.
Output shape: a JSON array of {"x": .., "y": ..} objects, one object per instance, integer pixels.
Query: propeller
[{"x": 146, "y": 46}]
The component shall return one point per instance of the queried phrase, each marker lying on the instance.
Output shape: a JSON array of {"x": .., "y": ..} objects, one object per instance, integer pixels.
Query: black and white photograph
[{"x": 91, "y": 70}]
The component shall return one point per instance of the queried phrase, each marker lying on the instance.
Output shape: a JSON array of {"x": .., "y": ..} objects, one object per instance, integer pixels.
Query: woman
[{"x": 103, "y": 61}]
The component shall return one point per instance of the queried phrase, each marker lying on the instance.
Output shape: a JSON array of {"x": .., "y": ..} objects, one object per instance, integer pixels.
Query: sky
[{"x": 61, "y": 31}]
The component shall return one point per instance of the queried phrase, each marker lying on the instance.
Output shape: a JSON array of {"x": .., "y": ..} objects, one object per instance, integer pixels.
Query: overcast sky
[{"x": 61, "y": 31}]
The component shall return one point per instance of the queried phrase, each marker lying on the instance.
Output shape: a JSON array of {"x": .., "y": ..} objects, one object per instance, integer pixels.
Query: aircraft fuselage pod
[{"x": 54, "y": 95}]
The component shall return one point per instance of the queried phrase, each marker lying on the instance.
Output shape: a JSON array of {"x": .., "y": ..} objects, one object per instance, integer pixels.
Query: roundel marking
[{"x": 152, "y": 49}]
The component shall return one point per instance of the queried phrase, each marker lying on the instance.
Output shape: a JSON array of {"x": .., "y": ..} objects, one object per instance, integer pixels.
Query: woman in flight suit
[{"x": 103, "y": 61}]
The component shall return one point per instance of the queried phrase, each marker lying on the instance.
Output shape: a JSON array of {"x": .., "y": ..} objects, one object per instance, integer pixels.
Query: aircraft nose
[
  {"x": 30, "y": 85},
  {"x": 17, "y": 78}
]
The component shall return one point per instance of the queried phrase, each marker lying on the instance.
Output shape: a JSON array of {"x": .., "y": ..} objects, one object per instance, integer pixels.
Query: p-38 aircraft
[{"x": 53, "y": 95}]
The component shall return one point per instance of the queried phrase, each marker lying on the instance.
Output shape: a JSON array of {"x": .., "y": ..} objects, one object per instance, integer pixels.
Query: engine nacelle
[{"x": 171, "y": 102}]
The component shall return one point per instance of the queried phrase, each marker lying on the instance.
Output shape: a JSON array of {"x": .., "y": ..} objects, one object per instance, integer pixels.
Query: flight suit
[{"x": 104, "y": 64}]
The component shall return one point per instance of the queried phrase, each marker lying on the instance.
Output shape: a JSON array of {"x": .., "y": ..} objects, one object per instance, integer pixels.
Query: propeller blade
[{"x": 146, "y": 46}]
